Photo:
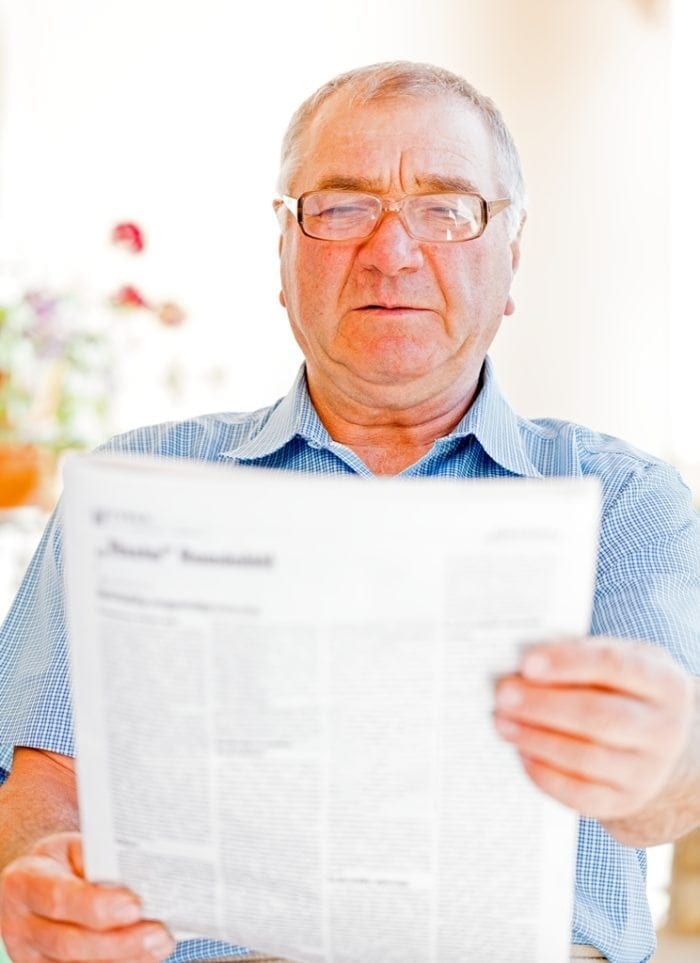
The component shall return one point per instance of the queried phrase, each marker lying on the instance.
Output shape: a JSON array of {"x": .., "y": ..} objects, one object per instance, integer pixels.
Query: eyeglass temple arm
[
  {"x": 292, "y": 204},
  {"x": 493, "y": 207}
]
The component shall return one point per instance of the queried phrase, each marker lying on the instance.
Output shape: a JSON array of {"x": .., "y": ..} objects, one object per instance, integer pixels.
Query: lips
[{"x": 390, "y": 307}]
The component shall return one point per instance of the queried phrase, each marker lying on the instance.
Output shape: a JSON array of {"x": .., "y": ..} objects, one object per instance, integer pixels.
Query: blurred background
[
  {"x": 138, "y": 250},
  {"x": 169, "y": 114}
]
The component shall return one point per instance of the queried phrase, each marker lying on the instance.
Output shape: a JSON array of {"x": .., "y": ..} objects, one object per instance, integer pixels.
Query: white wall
[
  {"x": 589, "y": 107},
  {"x": 171, "y": 113},
  {"x": 684, "y": 219}
]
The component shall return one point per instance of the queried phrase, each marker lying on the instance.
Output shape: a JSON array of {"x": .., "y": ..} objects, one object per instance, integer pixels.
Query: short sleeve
[
  {"x": 648, "y": 580},
  {"x": 35, "y": 703}
]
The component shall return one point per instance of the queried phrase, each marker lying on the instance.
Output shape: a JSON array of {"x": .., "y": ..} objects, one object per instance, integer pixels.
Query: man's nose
[{"x": 391, "y": 249}]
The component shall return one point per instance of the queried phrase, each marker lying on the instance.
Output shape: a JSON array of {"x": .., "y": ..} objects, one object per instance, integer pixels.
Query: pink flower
[
  {"x": 129, "y": 297},
  {"x": 128, "y": 235}
]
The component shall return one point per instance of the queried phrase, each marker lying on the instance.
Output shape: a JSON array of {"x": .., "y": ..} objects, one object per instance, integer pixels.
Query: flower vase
[{"x": 26, "y": 473}]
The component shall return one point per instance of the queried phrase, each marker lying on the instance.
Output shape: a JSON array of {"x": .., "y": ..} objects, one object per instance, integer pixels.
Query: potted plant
[
  {"x": 54, "y": 388},
  {"x": 59, "y": 350}
]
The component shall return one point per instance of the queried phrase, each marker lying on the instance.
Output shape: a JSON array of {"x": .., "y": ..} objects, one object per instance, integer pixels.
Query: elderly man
[{"x": 401, "y": 213}]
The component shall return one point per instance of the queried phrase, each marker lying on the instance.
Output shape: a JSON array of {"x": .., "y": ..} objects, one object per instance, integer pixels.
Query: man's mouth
[{"x": 390, "y": 307}]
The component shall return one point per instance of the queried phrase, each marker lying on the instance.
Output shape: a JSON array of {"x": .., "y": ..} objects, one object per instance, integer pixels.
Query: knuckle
[
  {"x": 614, "y": 657},
  {"x": 55, "y": 897},
  {"x": 601, "y": 713},
  {"x": 13, "y": 885},
  {"x": 7, "y": 883},
  {"x": 636, "y": 720}
]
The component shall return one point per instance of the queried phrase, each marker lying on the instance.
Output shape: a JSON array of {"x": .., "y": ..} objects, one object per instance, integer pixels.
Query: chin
[{"x": 396, "y": 367}]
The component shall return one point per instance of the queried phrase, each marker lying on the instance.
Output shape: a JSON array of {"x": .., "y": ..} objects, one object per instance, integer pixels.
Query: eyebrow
[{"x": 430, "y": 182}]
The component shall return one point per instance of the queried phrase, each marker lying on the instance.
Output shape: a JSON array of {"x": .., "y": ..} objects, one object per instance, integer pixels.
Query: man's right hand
[{"x": 50, "y": 912}]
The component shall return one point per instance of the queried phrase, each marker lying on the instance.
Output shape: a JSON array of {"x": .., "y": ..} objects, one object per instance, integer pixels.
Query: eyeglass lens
[{"x": 343, "y": 215}]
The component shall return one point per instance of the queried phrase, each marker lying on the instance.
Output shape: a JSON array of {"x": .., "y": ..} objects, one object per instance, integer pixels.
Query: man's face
[{"x": 390, "y": 320}]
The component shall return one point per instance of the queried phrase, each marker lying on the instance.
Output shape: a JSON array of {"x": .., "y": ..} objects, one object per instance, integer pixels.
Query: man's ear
[
  {"x": 280, "y": 246},
  {"x": 514, "y": 263},
  {"x": 515, "y": 243},
  {"x": 279, "y": 209}
]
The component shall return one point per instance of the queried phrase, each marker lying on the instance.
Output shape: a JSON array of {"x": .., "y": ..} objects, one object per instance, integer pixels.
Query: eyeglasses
[{"x": 352, "y": 215}]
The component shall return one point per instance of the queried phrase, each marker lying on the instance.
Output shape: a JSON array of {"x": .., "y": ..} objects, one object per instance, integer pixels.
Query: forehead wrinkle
[
  {"x": 344, "y": 182},
  {"x": 428, "y": 183},
  {"x": 445, "y": 182},
  {"x": 376, "y": 150}
]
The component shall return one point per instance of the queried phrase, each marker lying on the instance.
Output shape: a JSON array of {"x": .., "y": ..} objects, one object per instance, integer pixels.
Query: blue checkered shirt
[{"x": 647, "y": 588}]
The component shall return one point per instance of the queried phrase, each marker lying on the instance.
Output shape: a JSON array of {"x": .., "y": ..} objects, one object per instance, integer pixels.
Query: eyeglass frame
[{"x": 489, "y": 209}]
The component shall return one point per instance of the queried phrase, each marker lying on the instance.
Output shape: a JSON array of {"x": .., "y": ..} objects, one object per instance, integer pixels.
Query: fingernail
[
  {"x": 536, "y": 666},
  {"x": 508, "y": 696},
  {"x": 126, "y": 911}
]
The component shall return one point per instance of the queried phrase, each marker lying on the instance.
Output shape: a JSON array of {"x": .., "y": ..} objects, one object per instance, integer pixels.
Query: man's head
[
  {"x": 407, "y": 79},
  {"x": 395, "y": 319}
]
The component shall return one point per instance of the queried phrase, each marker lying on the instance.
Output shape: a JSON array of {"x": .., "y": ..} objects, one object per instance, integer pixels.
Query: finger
[
  {"x": 593, "y": 799},
  {"x": 639, "y": 668},
  {"x": 44, "y": 887},
  {"x": 24, "y": 955},
  {"x": 146, "y": 958},
  {"x": 29, "y": 956},
  {"x": 586, "y": 760},
  {"x": 65, "y": 941},
  {"x": 615, "y": 721}
]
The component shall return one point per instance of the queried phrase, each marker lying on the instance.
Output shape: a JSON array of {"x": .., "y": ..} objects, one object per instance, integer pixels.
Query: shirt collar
[
  {"x": 490, "y": 420},
  {"x": 496, "y": 427},
  {"x": 292, "y": 416}
]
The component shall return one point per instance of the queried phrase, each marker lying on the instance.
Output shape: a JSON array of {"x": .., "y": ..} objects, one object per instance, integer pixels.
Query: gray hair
[{"x": 405, "y": 78}]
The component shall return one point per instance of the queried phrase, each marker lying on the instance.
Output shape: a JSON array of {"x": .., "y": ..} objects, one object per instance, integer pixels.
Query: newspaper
[{"x": 283, "y": 693}]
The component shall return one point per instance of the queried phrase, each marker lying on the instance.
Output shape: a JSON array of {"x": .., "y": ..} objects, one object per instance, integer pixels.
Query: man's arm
[
  {"x": 48, "y": 910},
  {"x": 610, "y": 728},
  {"x": 38, "y": 798}
]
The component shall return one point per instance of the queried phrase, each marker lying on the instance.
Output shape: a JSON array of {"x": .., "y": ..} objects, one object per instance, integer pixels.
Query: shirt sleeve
[
  {"x": 648, "y": 580},
  {"x": 34, "y": 674}
]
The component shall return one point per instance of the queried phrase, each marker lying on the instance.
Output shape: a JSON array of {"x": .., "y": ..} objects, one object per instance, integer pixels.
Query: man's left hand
[{"x": 601, "y": 724}]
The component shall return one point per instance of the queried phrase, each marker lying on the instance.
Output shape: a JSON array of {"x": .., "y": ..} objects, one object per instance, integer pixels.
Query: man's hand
[
  {"x": 604, "y": 726},
  {"x": 49, "y": 912}
]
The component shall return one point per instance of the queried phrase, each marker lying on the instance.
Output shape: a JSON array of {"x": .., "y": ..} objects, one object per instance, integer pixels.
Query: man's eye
[
  {"x": 342, "y": 212},
  {"x": 451, "y": 215}
]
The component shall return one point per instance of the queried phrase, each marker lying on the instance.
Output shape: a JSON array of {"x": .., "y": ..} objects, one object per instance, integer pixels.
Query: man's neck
[{"x": 389, "y": 439}]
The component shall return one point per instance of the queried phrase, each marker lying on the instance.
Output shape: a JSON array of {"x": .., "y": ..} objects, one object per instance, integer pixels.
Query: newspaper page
[{"x": 283, "y": 693}]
